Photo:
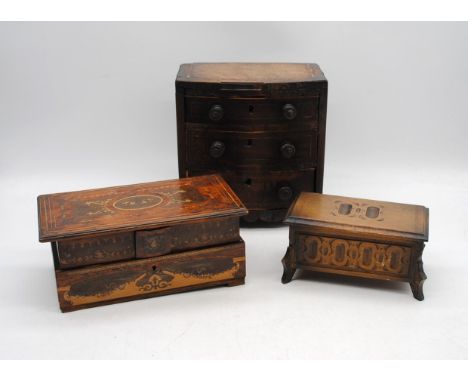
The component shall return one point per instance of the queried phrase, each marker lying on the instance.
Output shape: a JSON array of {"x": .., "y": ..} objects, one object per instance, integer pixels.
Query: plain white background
[{"x": 86, "y": 105}]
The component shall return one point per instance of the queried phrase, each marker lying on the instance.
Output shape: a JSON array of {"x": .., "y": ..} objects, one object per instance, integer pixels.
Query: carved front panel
[
  {"x": 187, "y": 236},
  {"x": 352, "y": 255},
  {"x": 95, "y": 250}
]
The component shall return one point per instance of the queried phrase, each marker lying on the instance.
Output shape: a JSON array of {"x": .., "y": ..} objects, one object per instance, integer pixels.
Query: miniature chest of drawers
[
  {"x": 357, "y": 237},
  {"x": 261, "y": 126},
  {"x": 123, "y": 243}
]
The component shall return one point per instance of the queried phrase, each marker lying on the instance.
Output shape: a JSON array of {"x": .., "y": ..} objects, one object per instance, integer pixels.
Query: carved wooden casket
[
  {"x": 357, "y": 237},
  {"x": 129, "y": 242}
]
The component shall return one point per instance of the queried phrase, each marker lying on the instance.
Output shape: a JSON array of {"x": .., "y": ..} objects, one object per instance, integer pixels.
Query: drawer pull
[
  {"x": 216, "y": 113},
  {"x": 288, "y": 150},
  {"x": 285, "y": 193},
  {"x": 289, "y": 111},
  {"x": 217, "y": 149}
]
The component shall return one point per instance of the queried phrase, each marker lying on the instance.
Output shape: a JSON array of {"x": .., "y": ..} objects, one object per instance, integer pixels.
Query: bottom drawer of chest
[
  {"x": 268, "y": 189},
  {"x": 103, "y": 284}
]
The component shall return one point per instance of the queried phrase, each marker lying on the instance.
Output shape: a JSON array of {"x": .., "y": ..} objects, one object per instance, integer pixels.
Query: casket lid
[{"x": 360, "y": 215}]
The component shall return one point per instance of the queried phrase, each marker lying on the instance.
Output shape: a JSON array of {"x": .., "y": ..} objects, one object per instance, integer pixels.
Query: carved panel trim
[{"x": 352, "y": 255}]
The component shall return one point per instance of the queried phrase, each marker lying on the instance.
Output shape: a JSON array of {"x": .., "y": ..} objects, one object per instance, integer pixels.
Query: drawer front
[
  {"x": 96, "y": 250},
  {"x": 268, "y": 189},
  {"x": 140, "y": 278},
  {"x": 217, "y": 150},
  {"x": 352, "y": 255},
  {"x": 221, "y": 111},
  {"x": 167, "y": 240}
]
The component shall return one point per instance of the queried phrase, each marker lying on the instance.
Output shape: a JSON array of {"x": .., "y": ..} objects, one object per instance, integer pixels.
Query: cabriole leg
[
  {"x": 289, "y": 269},
  {"x": 418, "y": 277}
]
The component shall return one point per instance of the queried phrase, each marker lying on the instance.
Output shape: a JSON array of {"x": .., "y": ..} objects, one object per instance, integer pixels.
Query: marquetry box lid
[
  {"x": 139, "y": 206},
  {"x": 365, "y": 216}
]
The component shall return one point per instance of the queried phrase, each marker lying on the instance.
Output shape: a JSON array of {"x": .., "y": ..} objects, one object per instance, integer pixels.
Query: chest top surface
[
  {"x": 360, "y": 215},
  {"x": 145, "y": 205},
  {"x": 249, "y": 73}
]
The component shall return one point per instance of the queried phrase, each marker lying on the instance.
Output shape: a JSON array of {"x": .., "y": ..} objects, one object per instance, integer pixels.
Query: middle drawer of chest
[{"x": 218, "y": 149}]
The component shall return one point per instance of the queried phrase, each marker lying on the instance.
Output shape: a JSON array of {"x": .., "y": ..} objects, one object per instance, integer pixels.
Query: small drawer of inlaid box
[
  {"x": 98, "y": 249},
  {"x": 162, "y": 241}
]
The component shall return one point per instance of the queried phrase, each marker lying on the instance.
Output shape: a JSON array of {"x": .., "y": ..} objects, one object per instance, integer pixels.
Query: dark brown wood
[
  {"x": 250, "y": 122},
  {"x": 119, "y": 243},
  {"x": 220, "y": 150},
  {"x": 357, "y": 237}
]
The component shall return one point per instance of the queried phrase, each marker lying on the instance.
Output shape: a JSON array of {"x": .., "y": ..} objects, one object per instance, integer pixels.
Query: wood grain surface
[
  {"x": 249, "y": 72},
  {"x": 363, "y": 215}
]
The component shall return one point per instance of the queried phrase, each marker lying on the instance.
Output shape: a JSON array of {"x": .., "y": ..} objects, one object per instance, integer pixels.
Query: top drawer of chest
[{"x": 222, "y": 111}]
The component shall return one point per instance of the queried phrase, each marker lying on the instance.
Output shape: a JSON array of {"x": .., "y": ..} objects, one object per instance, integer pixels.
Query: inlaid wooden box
[
  {"x": 129, "y": 242},
  {"x": 260, "y": 125},
  {"x": 357, "y": 237}
]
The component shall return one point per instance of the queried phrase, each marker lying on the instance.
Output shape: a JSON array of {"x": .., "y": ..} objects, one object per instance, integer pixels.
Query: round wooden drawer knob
[
  {"x": 288, "y": 150},
  {"x": 217, "y": 149},
  {"x": 216, "y": 113},
  {"x": 289, "y": 111},
  {"x": 285, "y": 193}
]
